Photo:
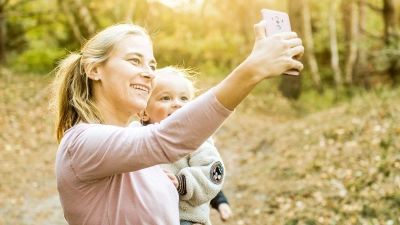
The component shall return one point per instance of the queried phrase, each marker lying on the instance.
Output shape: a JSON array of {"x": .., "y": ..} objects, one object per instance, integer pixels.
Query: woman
[{"x": 107, "y": 172}]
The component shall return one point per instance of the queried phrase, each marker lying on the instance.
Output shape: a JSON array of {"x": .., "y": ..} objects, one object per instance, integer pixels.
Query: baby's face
[{"x": 169, "y": 95}]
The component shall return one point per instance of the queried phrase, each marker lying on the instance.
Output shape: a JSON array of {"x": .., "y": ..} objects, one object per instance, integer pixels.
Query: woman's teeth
[{"x": 140, "y": 88}]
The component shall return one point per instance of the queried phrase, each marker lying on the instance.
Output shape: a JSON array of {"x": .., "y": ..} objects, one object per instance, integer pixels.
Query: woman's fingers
[
  {"x": 293, "y": 42},
  {"x": 287, "y": 35},
  {"x": 298, "y": 65},
  {"x": 297, "y": 52}
]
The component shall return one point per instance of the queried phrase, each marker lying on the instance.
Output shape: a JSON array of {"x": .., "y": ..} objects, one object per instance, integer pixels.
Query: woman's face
[{"x": 125, "y": 79}]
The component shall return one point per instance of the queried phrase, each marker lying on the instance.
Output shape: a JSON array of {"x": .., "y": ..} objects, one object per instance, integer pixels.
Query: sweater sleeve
[
  {"x": 96, "y": 151},
  {"x": 204, "y": 176}
]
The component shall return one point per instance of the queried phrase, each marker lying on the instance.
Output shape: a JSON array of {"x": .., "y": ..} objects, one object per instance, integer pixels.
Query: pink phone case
[{"x": 278, "y": 22}]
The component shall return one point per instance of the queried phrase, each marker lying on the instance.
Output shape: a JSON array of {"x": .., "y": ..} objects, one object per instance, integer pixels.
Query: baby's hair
[{"x": 189, "y": 74}]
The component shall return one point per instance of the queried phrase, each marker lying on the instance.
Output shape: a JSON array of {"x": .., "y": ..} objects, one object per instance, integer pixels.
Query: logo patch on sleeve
[{"x": 217, "y": 172}]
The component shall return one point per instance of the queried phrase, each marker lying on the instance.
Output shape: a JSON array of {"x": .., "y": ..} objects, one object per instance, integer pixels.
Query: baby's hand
[
  {"x": 172, "y": 177},
  {"x": 224, "y": 211}
]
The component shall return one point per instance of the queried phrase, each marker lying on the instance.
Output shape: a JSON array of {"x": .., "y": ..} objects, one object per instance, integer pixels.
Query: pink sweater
[{"x": 109, "y": 175}]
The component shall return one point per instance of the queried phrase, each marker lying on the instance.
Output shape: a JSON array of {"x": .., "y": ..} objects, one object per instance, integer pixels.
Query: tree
[
  {"x": 3, "y": 32},
  {"x": 392, "y": 39},
  {"x": 350, "y": 23},
  {"x": 65, "y": 6},
  {"x": 361, "y": 70},
  {"x": 309, "y": 46},
  {"x": 17, "y": 18},
  {"x": 334, "y": 48},
  {"x": 79, "y": 19}
]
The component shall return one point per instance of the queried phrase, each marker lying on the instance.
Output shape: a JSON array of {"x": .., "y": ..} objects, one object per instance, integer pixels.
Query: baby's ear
[{"x": 143, "y": 116}]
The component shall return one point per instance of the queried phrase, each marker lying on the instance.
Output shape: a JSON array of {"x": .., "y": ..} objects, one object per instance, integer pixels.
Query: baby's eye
[
  {"x": 165, "y": 98},
  {"x": 185, "y": 98},
  {"x": 153, "y": 68}
]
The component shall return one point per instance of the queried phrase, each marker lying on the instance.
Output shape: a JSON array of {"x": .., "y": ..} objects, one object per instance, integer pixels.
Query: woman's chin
[{"x": 139, "y": 106}]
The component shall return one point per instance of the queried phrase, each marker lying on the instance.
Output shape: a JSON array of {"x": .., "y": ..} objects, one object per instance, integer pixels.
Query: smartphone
[{"x": 278, "y": 22}]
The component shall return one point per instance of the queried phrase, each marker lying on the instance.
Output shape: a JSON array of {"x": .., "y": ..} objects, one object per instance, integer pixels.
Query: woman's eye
[
  {"x": 153, "y": 68},
  {"x": 185, "y": 99},
  {"x": 135, "y": 60}
]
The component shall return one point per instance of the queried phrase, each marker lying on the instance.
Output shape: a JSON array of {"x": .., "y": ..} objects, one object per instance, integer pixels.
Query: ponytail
[{"x": 72, "y": 96}]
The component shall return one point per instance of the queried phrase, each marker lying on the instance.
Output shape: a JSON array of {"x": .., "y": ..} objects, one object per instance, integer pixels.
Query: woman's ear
[{"x": 94, "y": 72}]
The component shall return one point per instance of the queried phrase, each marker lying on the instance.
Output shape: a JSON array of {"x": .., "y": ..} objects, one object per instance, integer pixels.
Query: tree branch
[
  {"x": 24, "y": 14},
  {"x": 71, "y": 20},
  {"x": 374, "y": 7},
  {"x": 371, "y": 35}
]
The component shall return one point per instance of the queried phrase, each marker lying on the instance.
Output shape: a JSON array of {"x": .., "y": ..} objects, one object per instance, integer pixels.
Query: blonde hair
[
  {"x": 72, "y": 91},
  {"x": 167, "y": 72},
  {"x": 187, "y": 73}
]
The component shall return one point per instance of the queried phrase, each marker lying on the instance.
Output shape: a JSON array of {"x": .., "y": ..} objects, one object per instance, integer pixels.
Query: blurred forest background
[
  {"x": 319, "y": 148},
  {"x": 349, "y": 44}
]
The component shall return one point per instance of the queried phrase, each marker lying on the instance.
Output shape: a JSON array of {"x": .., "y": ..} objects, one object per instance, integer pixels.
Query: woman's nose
[{"x": 148, "y": 74}]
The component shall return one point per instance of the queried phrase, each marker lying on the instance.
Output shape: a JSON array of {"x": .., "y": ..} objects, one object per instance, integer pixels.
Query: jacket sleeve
[
  {"x": 219, "y": 199},
  {"x": 204, "y": 176}
]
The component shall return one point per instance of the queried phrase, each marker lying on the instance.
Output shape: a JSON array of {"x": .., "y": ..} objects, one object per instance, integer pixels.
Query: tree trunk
[
  {"x": 361, "y": 72},
  {"x": 309, "y": 47},
  {"x": 334, "y": 48},
  {"x": 391, "y": 38},
  {"x": 3, "y": 35},
  {"x": 350, "y": 21},
  {"x": 71, "y": 20},
  {"x": 290, "y": 86},
  {"x": 86, "y": 17}
]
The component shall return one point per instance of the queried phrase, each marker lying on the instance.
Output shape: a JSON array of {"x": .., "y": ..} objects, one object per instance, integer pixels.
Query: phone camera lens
[
  {"x": 278, "y": 27},
  {"x": 276, "y": 17}
]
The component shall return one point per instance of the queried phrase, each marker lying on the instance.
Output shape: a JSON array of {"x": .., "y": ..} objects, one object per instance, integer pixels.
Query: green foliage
[
  {"x": 212, "y": 37},
  {"x": 311, "y": 101},
  {"x": 33, "y": 35},
  {"x": 37, "y": 60}
]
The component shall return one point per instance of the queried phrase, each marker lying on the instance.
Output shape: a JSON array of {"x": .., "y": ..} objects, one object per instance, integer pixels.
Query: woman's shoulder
[{"x": 80, "y": 127}]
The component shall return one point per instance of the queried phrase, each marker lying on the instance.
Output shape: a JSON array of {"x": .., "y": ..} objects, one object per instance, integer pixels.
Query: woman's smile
[{"x": 140, "y": 87}]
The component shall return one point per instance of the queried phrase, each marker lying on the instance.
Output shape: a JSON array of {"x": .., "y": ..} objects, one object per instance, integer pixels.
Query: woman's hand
[{"x": 271, "y": 56}]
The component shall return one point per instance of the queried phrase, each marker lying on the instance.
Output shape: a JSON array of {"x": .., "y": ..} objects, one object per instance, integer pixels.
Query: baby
[{"x": 198, "y": 177}]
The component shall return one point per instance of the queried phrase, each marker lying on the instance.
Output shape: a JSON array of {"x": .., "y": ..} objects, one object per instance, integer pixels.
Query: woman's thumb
[{"x": 259, "y": 30}]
